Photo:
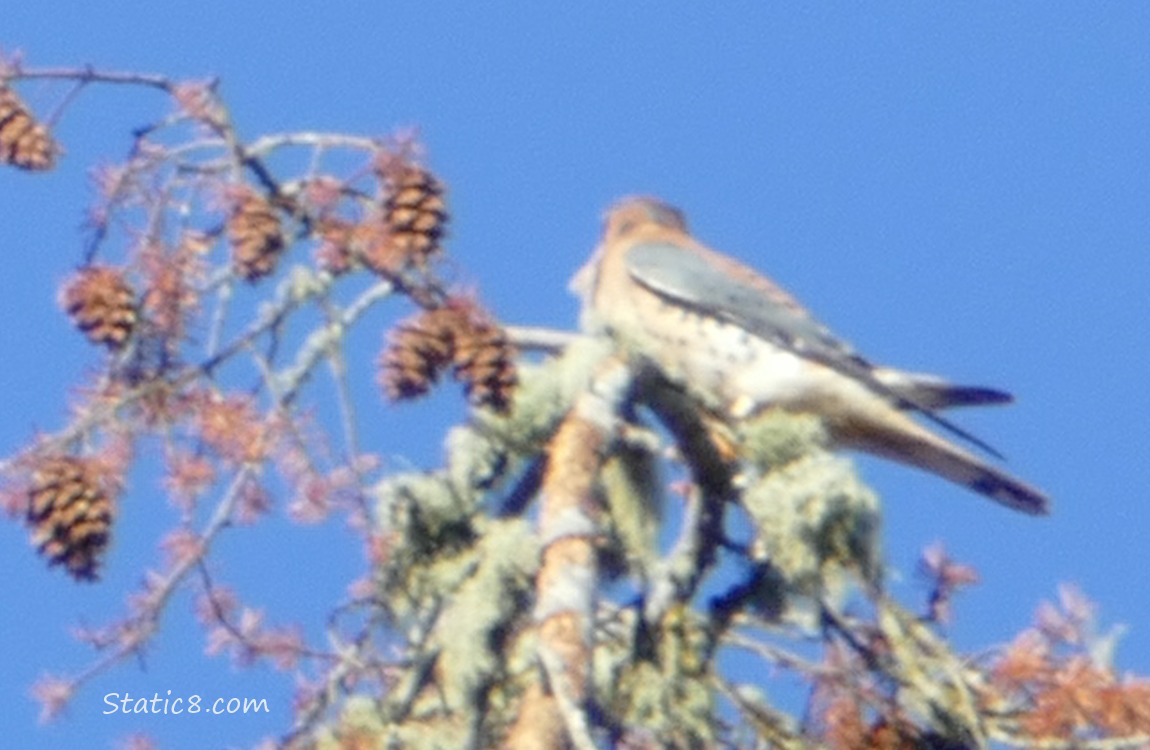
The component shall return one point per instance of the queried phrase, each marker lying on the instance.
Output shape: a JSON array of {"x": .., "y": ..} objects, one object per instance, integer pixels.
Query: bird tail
[
  {"x": 893, "y": 434},
  {"x": 932, "y": 392}
]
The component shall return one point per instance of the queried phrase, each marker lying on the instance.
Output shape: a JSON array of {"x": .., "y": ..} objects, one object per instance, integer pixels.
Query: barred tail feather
[{"x": 895, "y": 435}]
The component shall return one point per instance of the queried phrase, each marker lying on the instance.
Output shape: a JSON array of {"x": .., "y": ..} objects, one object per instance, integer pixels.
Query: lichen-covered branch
[{"x": 567, "y": 580}]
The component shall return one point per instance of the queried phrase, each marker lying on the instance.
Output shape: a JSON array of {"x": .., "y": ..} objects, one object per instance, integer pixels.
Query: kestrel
[{"x": 738, "y": 343}]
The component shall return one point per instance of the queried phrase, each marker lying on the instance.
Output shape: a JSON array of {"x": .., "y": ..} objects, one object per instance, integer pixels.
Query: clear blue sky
[{"x": 958, "y": 188}]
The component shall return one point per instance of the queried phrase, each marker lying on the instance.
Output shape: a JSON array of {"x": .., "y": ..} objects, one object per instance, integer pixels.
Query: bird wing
[{"x": 748, "y": 300}]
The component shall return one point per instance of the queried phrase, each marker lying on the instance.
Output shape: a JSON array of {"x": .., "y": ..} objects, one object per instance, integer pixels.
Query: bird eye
[
  {"x": 669, "y": 217},
  {"x": 624, "y": 226}
]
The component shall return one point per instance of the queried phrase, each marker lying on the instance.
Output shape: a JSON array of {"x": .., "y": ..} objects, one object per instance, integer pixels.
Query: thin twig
[
  {"x": 548, "y": 340},
  {"x": 267, "y": 143},
  {"x": 143, "y": 626},
  {"x": 318, "y": 344},
  {"x": 91, "y": 75}
]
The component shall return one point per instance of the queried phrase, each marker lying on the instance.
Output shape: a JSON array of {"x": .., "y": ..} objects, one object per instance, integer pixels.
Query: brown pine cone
[
  {"x": 70, "y": 514},
  {"x": 418, "y": 350},
  {"x": 459, "y": 334},
  {"x": 256, "y": 235},
  {"x": 414, "y": 220},
  {"x": 485, "y": 363},
  {"x": 24, "y": 143},
  {"x": 102, "y": 304}
]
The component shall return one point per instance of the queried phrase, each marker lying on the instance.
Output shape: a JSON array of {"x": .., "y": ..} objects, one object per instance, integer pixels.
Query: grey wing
[{"x": 689, "y": 279}]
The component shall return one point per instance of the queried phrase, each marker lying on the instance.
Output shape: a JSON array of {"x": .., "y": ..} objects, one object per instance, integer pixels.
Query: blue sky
[{"x": 957, "y": 188}]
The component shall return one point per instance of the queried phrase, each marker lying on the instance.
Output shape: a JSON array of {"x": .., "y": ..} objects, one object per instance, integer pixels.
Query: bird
[{"x": 740, "y": 344}]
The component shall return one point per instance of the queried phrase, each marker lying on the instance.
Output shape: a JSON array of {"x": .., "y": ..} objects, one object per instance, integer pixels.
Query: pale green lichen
[
  {"x": 816, "y": 526},
  {"x": 463, "y": 609},
  {"x": 475, "y": 462},
  {"x": 658, "y": 678},
  {"x": 360, "y": 725},
  {"x": 481, "y": 607},
  {"x": 424, "y": 512},
  {"x": 775, "y": 438},
  {"x": 632, "y": 496}
]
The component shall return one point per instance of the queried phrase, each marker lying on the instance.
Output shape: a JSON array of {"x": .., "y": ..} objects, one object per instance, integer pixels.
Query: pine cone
[
  {"x": 460, "y": 334},
  {"x": 485, "y": 363},
  {"x": 418, "y": 350},
  {"x": 102, "y": 304},
  {"x": 256, "y": 236},
  {"x": 24, "y": 143},
  {"x": 70, "y": 514},
  {"x": 414, "y": 219}
]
